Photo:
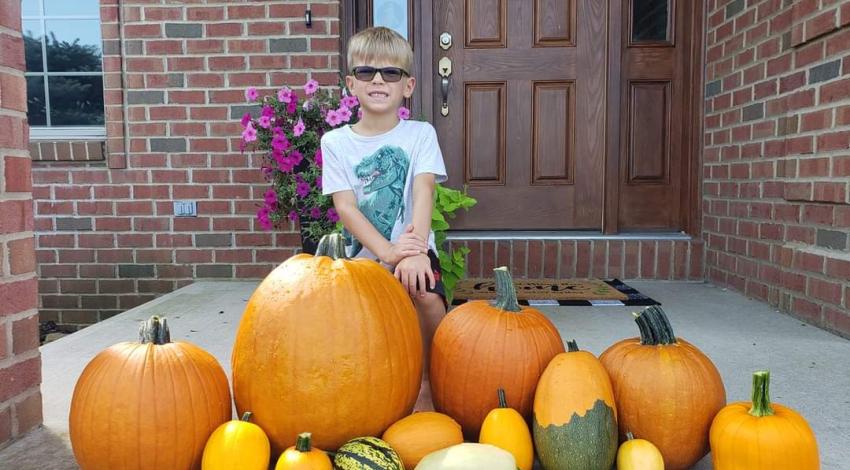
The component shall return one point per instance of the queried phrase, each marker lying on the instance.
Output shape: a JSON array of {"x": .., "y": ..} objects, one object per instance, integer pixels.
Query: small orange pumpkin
[
  {"x": 667, "y": 391},
  {"x": 237, "y": 444},
  {"x": 150, "y": 404},
  {"x": 303, "y": 456},
  {"x": 760, "y": 435},
  {"x": 480, "y": 347},
  {"x": 419, "y": 434}
]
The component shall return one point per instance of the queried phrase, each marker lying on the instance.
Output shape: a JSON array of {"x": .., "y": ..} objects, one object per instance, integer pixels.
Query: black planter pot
[{"x": 308, "y": 245}]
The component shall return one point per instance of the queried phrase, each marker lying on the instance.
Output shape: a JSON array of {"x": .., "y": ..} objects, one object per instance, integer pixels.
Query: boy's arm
[
  {"x": 423, "y": 203},
  {"x": 346, "y": 206}
]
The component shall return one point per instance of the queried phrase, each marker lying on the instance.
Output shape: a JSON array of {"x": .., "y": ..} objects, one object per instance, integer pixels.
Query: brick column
[{"x": 20, "y": 362}]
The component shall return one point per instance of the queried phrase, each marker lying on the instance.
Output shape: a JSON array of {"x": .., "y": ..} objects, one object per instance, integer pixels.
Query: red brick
[
  {"x": 223, "y": 29},
  {"x": 6, "y": 413},
  {"x": 583, "y": 258},
  {"x": 25, "y": 335},
  {"x": 821, "y": 24},
  {"x": 838, "y": 320},
  {"x": 22, "y": 256},
  {"x": 817, "y": 214},
  {"x": 14, "y": 94},
  {"x": 16, "y": 297},
  {"x": 19, "y": 377},
  {"x": 28, "y": 413},
  {"x": 204, "y": 13},
  {"x": 825, "y": 290},
  {"x": 12, "y": 131}
]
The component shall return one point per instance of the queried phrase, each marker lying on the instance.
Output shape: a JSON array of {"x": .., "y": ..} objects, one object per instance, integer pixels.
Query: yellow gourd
[
  {"x": 303, "y": 456},
  {"x": 237, "y": 444},
  {"x": 639, "y": 454},
  {"x": 506, "y": 429}
]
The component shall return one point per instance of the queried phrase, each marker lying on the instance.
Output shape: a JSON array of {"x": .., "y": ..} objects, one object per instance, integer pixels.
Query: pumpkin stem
[
  {"x": 654, "y": 327},
  {"x": 247, "y": 416},
  {"x": 333, "y": 245},
  {"x": 761, "y": 394},
  {"x": 154, "y": 330},
  {"x": 572, "y": 346},
  {"x": 503, "y": 402},
  {"x": 505, "y": 291},
  {"x": 304, "y": 442},
  {"x": 630, "y": 436}
]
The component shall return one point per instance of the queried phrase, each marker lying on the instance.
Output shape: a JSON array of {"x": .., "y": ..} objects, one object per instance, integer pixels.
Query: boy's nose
[{"x": 378, "y": 78}]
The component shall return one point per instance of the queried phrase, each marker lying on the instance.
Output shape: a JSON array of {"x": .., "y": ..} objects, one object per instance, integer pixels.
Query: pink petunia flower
[
  {"x": 251, "y": 94},
  {"x": 315, "y": 212},
  {"x": 350, "y": 101},
  {"x": 293, "y": 216},
  {"x": 249, "y": 134},
  {"x": 284, "y": 95},
  {"x": 311, "y": 86},
  {"x": 360, "y": 113},
  {"x": 246, "y": 118},
  {"x": 318, "y": 157},
  {"x": 296, "y": 157},
  {"x": 267, "y": 111},
  {"x": 265, "y": 122},
  {"x": 292, "y": 106},
  {"x": 271, "y": 197},
  {"x": 403, "y": 113},
  {"x": 263, "y": 218},
  {"x": 344, "y": 114},
  {"x": 302, "y": 189},
  {"x": 332, "y": 215},
  {"x": 333, "y": 119},
  {"x": 298, "y": 129}
]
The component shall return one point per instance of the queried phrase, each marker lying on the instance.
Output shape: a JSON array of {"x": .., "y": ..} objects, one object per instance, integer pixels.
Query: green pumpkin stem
[
  {"x": 630, "y": 436},
  {"x": 761, "y": 394},
  {"x": 154, "y": 330},
  {"x": 654, "y": 327},
  {"x": 333, "y": 245},
  {"x": 505, "y": 291},
  {"x": 246, "y": 416},
  {"x": 572, "y": 346},
  {"x": 304, "y": 442},
  {"x": 503, "y": 402}
]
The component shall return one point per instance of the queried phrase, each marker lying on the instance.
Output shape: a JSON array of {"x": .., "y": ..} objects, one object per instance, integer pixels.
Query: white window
[{"x": 64, "y": 73}]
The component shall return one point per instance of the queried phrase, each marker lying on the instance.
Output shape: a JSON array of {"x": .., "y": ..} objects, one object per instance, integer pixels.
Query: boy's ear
[
  {"x": 349, "y": 82},
  {"x": 409, "y": 86}
]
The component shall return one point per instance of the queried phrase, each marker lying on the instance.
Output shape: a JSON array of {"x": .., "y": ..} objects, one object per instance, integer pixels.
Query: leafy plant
[{"x": 453, "y": 265}]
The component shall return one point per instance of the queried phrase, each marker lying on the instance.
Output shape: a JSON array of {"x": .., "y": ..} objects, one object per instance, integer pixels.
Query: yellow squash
[
  {"x": 303, "y": 456},
  {"x": 237, "y": 444},
  {"x": 639, "y": 454},
  {"x": 506, "y": 429}
]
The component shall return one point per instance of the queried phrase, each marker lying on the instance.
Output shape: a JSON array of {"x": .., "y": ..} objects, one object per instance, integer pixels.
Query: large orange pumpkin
[
  {"x": 328, "y": 344},
  {"x": 147, "y": 405},
  {"x": 667, "y": 391},
  {"x": 760, "y": 435},
  {"x": 480, "y": 347}
]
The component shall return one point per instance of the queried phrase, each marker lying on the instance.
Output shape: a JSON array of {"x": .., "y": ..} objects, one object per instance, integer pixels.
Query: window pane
[
  {"x": 30, "y": 8},
  {"x": 73, "y": 46},
  {"x": 76, "y": 101},
  {"x": 75, "y": 7},
  {"x": 392, "y": 14},
  {"x": 35, "y": 101},
  {"x": 32, "y": 45},
  {"x": 649, "y": 20}
]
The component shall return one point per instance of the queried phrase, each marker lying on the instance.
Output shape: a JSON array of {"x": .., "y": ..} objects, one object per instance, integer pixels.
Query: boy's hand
[
  {"x": 413, "y": 271},
  {"x": 409, "y": 244}
]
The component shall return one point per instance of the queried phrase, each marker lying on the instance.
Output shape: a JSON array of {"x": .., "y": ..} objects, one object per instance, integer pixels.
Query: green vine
[{"x": 453, "y": 265}]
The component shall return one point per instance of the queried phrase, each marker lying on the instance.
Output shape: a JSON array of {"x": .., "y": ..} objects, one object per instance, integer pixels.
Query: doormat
[{"x": 536, "y": 292}]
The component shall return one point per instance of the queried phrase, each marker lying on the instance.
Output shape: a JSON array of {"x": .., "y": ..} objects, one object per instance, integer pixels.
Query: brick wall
[
  {"x": 777, "y": 132},
  {"x": 106, "y": 236},
  {"x": 20, "y": 364}
]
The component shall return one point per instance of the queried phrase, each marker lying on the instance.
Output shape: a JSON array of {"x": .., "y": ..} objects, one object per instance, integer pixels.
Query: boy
[{"x": 382, "y": 171}]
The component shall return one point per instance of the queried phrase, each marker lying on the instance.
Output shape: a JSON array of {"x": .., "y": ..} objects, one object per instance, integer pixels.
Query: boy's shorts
[{"x": 439, "y": 288}]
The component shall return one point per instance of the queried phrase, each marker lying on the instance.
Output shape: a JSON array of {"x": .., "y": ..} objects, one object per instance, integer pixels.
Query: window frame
[{"x": 48, "y": 131}]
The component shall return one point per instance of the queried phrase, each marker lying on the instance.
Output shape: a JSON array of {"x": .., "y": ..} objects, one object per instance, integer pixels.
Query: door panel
[{"x": 525, "y": 129}]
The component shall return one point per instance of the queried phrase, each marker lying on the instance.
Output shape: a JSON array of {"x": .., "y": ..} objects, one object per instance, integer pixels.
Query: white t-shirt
[{"x": 380, "y": 170}]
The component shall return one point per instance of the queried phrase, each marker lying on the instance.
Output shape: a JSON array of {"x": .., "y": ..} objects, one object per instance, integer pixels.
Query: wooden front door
[
  {"x": 525, "y": 129},
  {"x": 571, "y": 114}
]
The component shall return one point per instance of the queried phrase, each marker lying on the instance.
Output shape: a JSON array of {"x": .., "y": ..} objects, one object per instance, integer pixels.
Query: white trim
[
  {"x": 561, "y": 235},
  {"x": 68, "y": 133}
]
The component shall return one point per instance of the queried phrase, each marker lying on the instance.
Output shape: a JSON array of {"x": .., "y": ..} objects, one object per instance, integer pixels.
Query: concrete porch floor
[{"x": 810, "y": 368}]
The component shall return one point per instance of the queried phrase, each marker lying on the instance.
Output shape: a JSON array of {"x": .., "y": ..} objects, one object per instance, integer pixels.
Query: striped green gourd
[{"x": 367, "y": 453}]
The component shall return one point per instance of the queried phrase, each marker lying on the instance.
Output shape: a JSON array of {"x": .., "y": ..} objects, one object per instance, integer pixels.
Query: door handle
[{"x": 444, "y": 68}]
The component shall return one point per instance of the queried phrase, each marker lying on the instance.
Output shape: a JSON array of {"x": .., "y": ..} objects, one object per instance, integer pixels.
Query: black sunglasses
[{"x": 364, "y": 73}]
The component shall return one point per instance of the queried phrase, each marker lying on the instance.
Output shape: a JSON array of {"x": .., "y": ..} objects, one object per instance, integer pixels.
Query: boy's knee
[{"x": 429, "y": 299}]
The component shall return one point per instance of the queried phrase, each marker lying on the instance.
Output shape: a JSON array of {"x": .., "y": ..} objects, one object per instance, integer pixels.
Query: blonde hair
[{"x": 380, "y": 44}]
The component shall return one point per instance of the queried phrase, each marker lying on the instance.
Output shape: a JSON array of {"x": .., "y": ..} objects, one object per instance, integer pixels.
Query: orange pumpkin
[
  {"x": 328, "y": 344},
  {"x": 303, "y": 456},
  {"x": 150, "y": 404},
  {"x": 667, "y": 391},
  {"x": 480, "y": 347},
  {"x": 419, "y": 434},
  {"x": 760, "y": 435}
]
